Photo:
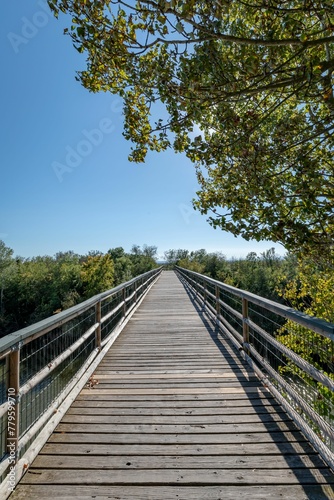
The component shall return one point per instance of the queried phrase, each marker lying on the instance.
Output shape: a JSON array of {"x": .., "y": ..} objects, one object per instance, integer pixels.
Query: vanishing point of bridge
[{"x": 174, "y": 412}]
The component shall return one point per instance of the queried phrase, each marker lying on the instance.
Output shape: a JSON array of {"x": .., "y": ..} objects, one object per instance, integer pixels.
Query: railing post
[
  {"x": 124, "y": 303},
  {"x": 98, "y": 320},
  {"x": 204, "y": 292},
  {"x": 13, "y": 413},
  {"x": 217, "y": 301},
  {"x": 245, "y": 327}
]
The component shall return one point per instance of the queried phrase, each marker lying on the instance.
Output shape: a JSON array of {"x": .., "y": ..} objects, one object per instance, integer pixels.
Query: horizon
[{"x": 159, "y": 257}]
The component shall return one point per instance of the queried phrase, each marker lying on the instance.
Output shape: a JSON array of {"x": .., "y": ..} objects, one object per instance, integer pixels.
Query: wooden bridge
[{"x": 174, "y": 412}]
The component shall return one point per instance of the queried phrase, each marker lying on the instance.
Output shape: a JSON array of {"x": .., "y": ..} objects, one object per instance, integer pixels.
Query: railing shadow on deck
[
  {"x": 221, "y": 330},
  {"x": 44, "y": 366}
]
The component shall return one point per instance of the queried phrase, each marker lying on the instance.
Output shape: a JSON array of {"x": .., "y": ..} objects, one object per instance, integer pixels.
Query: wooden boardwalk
[{"x": 176, "y": 415}]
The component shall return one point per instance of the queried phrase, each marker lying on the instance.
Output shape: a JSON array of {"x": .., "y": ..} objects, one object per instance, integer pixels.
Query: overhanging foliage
[{"x": 247, "y": 88}]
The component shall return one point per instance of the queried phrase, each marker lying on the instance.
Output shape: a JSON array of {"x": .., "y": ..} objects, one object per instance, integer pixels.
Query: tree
[
  {"x": 173, "y": 257},
  {"x": 142, "y": 259},
  {"x": 67, "y": 279},
  {"x": 311, "y": 291},
  {"x": 122, "y": 265},
  {"x": 150, "y": 251},
  {"x": 97, "y": 274},
  {"x": 31, "y": 292},
  {"x": 247, "y": 89},
  {"x": 116, "y": 253},
  {"x": 123, "y": 270}
]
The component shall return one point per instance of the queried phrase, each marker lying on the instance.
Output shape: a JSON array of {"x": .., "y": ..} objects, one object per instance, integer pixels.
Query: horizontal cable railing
[
  {"x": 43, "y": 366},
  {"x": 292, "y": 352}
]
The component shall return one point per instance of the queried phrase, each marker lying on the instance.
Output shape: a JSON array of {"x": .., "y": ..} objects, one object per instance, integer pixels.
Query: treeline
[
  {"x": 33, "y": 289},
  {"x": 265, "y": 274}
]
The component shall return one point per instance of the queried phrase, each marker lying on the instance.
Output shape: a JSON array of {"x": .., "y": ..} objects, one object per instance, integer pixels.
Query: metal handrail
[
  {"x": 318, "y": 325},
  {"x": 66, "y": 348},
  {"x": 45, "y": 325},
  {"x": 249, "y": 337}
]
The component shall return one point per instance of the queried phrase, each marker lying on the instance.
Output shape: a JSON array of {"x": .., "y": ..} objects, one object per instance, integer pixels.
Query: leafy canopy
[{"x": 247, "y": 89}]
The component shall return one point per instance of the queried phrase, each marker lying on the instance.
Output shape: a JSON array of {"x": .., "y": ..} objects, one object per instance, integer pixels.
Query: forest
[
  {"x": 35, "y": 288},
  {"x": 32, "y": 289}
]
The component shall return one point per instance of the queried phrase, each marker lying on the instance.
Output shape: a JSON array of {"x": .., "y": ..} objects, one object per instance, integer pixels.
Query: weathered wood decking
[{"x": 176, "y": 415}]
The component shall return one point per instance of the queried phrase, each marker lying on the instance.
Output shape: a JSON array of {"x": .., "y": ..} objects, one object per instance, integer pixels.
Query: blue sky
[{"x": 66, "y": 183}]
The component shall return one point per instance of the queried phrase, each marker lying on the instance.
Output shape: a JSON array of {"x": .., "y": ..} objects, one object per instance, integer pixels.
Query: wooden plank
[
  {"x": 246, "y": 492},
  {"x": 190, "y": 419},
  {"x": 228, "y": 428},
  {"x": 253, "y": 397},
  {"x": 240, "y": 438},
  {"x": 198, "y": 382},
  {"x": 203, "y": 477},
  {"x": 173, "y": 373},
  {"x": 223, "y": 450},
  {"x": 171, "y": 385},
  {"x": 216, "y": 405},
  {"x": 173, "y": 390},
  {"x": 130, "y": 462},
  {"x": 171, "y": 376},
  {"x": 154, "y": 410}
]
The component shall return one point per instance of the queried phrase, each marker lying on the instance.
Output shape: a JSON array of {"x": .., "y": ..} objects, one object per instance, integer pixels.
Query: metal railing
[
  {"x": 291, "y": 352},
  {"x": 44, "y": 366}
]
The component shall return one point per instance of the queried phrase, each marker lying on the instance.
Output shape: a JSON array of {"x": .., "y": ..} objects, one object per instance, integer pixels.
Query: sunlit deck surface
[{"x": 176, "y": 414}]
